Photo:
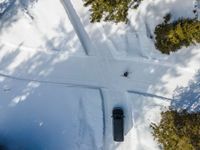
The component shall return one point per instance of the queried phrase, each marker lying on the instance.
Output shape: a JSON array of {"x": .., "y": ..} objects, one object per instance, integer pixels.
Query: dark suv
[{"x": 118, "y": 124}]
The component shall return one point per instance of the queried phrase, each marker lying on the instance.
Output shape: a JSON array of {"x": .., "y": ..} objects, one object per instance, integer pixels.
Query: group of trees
[
  {"x": 110, "y": 10},
  {"x": 178, "y": 130},
  {"x": 169, "y": 37},
  {"x": 172, "y": 36}
]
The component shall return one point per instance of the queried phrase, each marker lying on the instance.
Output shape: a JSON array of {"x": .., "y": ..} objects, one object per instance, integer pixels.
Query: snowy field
[
  {"x": 31, "y": 121},
  {"x": 61, "y": 76}
]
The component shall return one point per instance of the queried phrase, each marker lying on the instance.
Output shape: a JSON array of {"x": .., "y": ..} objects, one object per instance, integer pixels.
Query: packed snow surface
[{"x": 61, "y": 76}]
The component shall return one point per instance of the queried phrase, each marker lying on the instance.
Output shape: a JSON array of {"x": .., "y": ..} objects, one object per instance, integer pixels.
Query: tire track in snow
[
  {"x": 104, "y": 119},
  {"x": 86, "y": 132},
  {"x": 151, "y": 95},
  {"x": 150, "y": 61},
  {"x": 84, "y": 38},
  {"x": 66, "y": 84}
]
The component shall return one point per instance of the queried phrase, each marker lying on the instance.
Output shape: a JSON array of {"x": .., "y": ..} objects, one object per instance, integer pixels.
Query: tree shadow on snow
[
  {"x": 9, "y": 10},
  {"x": 188, "y": 98},
  {"x": 20, "y": 129}
]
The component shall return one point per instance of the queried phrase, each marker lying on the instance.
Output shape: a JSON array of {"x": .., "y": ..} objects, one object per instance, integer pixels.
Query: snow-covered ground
[
  {"x": 38, "y": 117},
  {"x": 61, "y": 76}
]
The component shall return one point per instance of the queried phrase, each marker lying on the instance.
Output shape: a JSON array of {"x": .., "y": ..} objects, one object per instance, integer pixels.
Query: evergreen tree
[
  {"x": 109, "y": 10},
  {"x": 171, "y": 37},
  {"x": 178, "y": 130}
]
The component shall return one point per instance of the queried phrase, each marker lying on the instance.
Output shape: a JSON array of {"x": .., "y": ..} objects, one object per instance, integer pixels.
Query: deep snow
[{"x": 61, "y": 76}]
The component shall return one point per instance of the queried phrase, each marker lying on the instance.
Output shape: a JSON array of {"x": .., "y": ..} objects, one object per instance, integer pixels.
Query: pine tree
[
  {"x": 109, "y": 10},
  {"x": 171, "y": 37},
  {"x": 178, "y": 130}
]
